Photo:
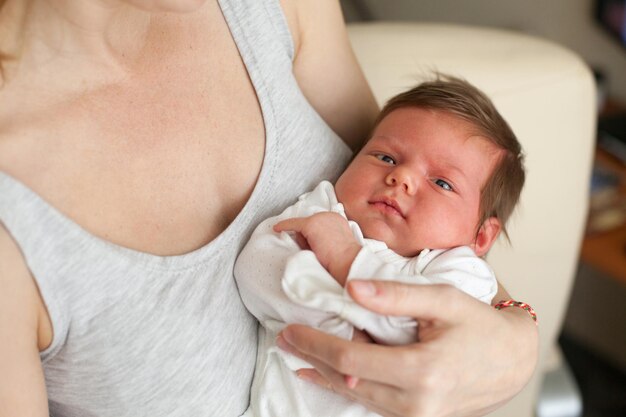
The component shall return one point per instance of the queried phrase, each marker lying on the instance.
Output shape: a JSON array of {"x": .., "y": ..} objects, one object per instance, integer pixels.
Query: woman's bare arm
[
  {"x": 327, "y": 70},
  {"x": 22, "y": 387}
]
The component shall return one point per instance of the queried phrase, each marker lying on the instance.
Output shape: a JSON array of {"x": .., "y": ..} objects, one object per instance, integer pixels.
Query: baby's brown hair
[{"x": 455, "y": 96}]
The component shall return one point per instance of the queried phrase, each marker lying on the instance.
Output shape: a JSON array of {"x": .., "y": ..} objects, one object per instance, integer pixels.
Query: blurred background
[{"x": 593, "y": 337}]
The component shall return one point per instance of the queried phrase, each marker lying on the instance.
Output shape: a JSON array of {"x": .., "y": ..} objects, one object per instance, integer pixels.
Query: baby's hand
[{"x": 329, "y": 236}]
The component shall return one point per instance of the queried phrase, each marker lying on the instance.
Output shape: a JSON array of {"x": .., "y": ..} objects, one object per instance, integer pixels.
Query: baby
[{"x": 421, "y": 203}]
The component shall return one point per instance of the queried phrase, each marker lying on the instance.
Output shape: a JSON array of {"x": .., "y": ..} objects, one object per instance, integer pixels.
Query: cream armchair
[{"x": 547, "y": 95}]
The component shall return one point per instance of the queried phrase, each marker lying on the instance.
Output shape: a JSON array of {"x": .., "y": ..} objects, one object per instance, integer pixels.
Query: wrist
[
  {"x": 522, "y": 336},
  {"x": 518, "y": 307},
  {"x": 342, "y": 261},
  {"x": 524, "y": 328}
]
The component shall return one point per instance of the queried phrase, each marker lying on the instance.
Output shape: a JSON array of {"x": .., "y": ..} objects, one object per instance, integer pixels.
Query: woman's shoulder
[
  {"x": 20, "y": 326},
  {"x": 18, "y": 285}
]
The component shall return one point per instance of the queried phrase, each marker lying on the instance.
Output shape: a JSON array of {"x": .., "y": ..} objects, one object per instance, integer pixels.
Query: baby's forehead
[
  {"x": 438, "y": 116},
  {"x": 465, "y": 130}
]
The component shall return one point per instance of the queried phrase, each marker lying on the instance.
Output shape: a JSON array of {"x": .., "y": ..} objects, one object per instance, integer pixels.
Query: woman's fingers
[
  {"x": 375, "y": 396},
  {"x": 315, "y": 377},
  {"x": 422, "y": 302},
  {"x": 362, "y": 360},
  {"x": 455, "y": 329},
  {"x": 361, "y": 336},
  {"x": 383, "y": 399}
]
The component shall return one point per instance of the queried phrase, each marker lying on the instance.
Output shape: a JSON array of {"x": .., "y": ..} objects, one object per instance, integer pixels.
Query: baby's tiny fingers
[
  {"x": 289, "y": 225},
  {"x": 301, "y": 241}
]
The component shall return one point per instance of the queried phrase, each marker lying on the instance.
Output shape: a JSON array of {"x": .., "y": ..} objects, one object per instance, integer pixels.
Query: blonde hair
[{"x": 502, "y": 190}]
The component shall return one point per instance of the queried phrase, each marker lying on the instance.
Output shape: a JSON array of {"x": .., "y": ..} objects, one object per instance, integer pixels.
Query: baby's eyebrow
[
  {"x": 387, "y": 138},
  {"x": 391, "y": 141},
  {"x": 451, "y": 167},
  {"x": 455, "y": 174}
]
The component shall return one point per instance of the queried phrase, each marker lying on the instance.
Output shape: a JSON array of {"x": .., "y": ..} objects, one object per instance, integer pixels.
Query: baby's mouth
[{"x": 387, "y": 205}]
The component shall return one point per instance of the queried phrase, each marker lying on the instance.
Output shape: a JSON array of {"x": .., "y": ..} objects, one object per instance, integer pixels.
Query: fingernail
[
  {"x": 364, "y": 288},
  {"x": 285, "y": 334},
  {"x": 303, "y": 375},
  {"x": 351, "y": 381},
  {"x": 282, "y": 343}
]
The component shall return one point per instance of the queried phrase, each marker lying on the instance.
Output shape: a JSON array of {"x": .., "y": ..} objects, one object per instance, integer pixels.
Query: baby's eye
[
  {"x": 443, "y": 184},
  {"x": 385, "y": 158}
]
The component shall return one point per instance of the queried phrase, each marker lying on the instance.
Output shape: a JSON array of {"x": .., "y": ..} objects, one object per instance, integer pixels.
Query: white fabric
[{"x": 280, "y": 283}]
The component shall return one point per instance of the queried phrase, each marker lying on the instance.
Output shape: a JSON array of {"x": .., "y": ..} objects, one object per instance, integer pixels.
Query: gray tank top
[{"x": 142, "y": 335}]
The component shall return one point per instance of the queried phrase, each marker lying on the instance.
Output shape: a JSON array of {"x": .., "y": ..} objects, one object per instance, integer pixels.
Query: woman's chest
[{"x": 162, "y": 169}]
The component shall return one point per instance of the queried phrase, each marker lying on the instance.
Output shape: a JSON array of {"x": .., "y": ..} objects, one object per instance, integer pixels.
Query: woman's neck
[{"x": 98, "y": 37}]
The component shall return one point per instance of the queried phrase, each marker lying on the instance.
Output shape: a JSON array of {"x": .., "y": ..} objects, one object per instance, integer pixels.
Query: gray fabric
[{"x": 143, "y": 335}]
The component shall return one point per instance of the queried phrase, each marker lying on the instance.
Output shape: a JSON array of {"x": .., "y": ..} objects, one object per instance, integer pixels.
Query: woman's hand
[{"x": 465, "y": 363}]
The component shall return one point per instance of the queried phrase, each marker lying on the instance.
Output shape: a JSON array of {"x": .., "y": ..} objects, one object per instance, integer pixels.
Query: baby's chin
[
  {"x": 382, "y": 232},
  {"x": 406, "y": 252}
]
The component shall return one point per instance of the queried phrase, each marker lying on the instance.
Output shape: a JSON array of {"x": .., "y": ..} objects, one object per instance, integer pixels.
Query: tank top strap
[
  {"x": 34, "y": 224},
  {"x": 243, "y": 16}
]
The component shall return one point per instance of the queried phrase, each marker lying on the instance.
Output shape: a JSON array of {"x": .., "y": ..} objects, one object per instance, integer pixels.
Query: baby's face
[{"x": 416, "y": 184}]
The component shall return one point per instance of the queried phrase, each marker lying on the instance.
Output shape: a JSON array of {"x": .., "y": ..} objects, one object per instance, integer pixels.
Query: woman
[{"x": 140, "y": 142}]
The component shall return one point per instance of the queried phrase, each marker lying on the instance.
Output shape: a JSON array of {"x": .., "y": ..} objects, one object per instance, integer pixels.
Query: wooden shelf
[{"x": 606, "y": 252}]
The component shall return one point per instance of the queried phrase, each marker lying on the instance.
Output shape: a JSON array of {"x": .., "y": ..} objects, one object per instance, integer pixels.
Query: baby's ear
[{"x": 486, "y": 236}]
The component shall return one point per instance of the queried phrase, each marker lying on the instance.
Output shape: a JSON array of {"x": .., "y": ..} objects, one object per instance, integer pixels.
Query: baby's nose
[{"x": 402, "y": 177}]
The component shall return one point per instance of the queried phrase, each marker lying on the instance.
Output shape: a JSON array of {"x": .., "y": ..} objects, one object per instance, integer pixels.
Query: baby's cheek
[{"x": 369, "y": 228}]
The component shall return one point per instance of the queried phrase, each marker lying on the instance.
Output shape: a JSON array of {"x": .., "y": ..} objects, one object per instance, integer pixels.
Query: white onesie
[{"x": 282, "y": 284}]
